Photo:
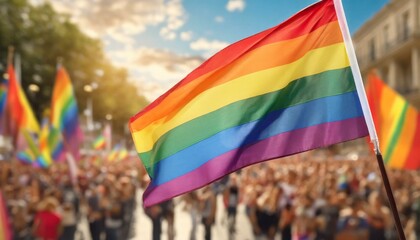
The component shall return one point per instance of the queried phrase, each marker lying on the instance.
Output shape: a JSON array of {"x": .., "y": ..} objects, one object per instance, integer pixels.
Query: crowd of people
[
  {"x": 48, "y": 204},
  {"x": 308, "y": 196},
  {"x": 304, "y": 197}
]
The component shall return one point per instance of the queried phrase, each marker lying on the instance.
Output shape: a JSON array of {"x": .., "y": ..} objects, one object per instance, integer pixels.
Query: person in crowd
[
  {"x": 353, "y": 223},
  {"x": 231, "y": 201},
  {"x": 329, "y": 215},
  {"x": 208, "y": 210},
  {"x": 379, "y": 219},
  {"x": 155, "y": 214},
  {"x": 70, "y": 209},
  {"x": 47, "y": 222},
  {"x": 95, "y": 211},
  {"x": 286, "y": 221},
  {"x": 192, "y": 205}
]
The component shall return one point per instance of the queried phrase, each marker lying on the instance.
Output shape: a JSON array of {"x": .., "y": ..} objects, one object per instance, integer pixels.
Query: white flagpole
[{"x": 354, "y": 65}]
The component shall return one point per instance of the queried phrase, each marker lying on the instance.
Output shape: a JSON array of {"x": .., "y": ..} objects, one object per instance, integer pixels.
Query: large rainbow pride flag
[
  {"x": 64, "y": 114},
  {"x": 397, "y": 123},
  {"x": 282, "y": 91}
]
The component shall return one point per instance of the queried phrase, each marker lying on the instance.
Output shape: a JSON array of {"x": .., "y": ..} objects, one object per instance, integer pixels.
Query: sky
[{"x": 161, "y": 41}]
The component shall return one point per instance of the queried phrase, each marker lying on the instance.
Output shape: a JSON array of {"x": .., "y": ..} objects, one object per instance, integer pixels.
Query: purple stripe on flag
[{"x": 274, "y": 147}]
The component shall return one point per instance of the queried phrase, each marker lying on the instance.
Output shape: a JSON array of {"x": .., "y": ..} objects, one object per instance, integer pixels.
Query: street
[{"x": 142, "y": 226}]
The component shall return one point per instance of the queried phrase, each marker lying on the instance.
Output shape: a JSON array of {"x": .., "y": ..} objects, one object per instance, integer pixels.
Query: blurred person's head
[
  {"x": 49, "y": 204},
  {"x": 374, "y": 199},
  {"x": 356, "y": 203},
  {"x": 342, "y": 198}
]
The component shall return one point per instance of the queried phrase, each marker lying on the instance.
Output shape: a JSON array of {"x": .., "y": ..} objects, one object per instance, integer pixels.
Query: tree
[{"x": 40, "y": 35}]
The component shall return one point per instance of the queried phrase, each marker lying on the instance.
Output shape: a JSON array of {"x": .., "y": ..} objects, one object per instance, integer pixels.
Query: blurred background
[{"x": 121, "y": 55}]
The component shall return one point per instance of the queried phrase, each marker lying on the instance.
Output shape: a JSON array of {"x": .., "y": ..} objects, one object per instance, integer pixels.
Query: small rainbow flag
[
  {"x": 44, "y": 159},
  {"x": 114, "y": 153},
  {"x": 26, "y": 156},
  {"x": 123, "y": 154},
  {"x": 397, "y": 123},
  {"x": 31, "y": 153},
  {"x": 5, "y": 230},
  {"x": 64, "y": 113},
  {"x": 99, "y": 143},
  {"x": 282, "y": 91}
]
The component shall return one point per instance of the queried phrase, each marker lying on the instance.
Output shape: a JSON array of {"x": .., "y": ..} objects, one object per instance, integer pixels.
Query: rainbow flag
[
  {"x": 5, "y": 230},
  {"x": 123, "y": 154},
  {"x": 30, "y": 152},
  {"x": 282, "y": 91},
  {"x": 55, "y": 143},
  {"x": 64, "y": 112},
  {"x": 114, "y": 153},
  {"x": 397, "y": 124},
  {"x": 45, "y": 157},
  {"x": 20, "y": 114},
  {"x": 3, "y": 97},
  {"x": 99, "y": 143},
  {"x": 26, "y": 156}
]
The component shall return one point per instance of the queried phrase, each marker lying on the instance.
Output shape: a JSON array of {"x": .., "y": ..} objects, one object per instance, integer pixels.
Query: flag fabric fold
[
  {"x": 282, "y": 91},
  {"x": 397, "y": 123}
]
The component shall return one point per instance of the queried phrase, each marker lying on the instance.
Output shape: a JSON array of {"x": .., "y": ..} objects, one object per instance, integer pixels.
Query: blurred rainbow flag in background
[
  {"x": 45, "y": 158},
  {"x": 64, "y": 113},
  {"x": 3, "y": 97},
  {"x": 20, "y": 114},
  {"x": 27, "y": 156},
  {"x": 113, "y": 154},
  {"x": 397, "y": 123},
  {"x": 5, "y": 230},
  {"x": 282, "y": 91},
  {"x": 30, "y": 153},
  {"x": 99, "y": 143},
  {"x": 118, "y": 153}
]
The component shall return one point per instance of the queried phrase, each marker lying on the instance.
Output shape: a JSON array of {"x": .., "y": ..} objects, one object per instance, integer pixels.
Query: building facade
[{"x": 390, "y": 43}]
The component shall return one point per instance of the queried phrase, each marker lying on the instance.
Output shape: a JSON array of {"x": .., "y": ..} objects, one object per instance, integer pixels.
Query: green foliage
[{"x": 41, "y": 36}]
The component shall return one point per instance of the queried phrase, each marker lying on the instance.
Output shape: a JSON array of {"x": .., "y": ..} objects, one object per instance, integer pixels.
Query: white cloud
[
  {"x": 126, "y": 18},
  {"x": 167, "y": 34},
  {"x": 208, "y": 46},
  {"x": 175, "y": 19},
  {"x": 170, "y": 61},
  {"x": 155, "y": 70},
  {"x": 235, "y": 5},
  {"x": 162, "y": 69},
  {"x": 186, "y": 36},
  {"x": 219, "y": 19}
]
